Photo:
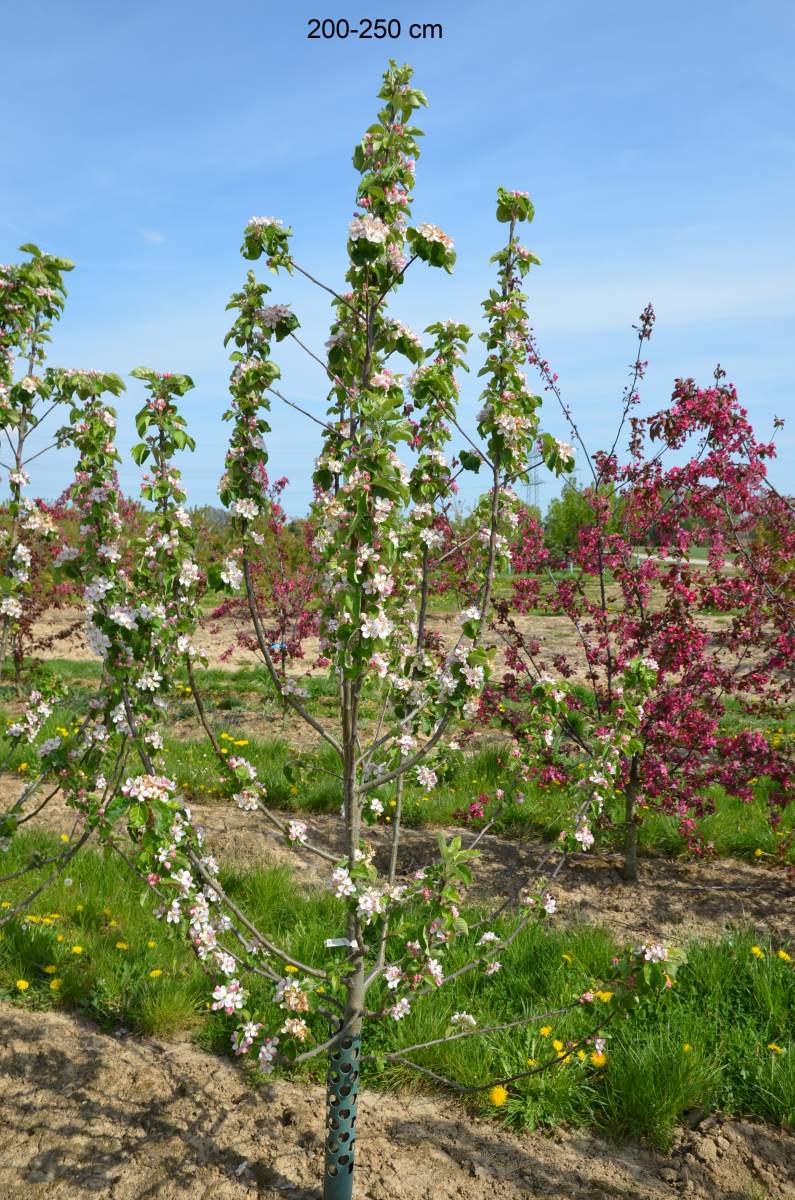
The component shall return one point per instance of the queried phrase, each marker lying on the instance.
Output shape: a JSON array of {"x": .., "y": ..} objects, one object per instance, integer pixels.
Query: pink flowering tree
[
  {"x": 680, "y": 597},
  {"x": 284, "y": 582}
]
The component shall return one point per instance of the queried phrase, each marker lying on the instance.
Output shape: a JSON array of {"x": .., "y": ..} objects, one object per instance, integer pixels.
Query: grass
[
  {"x": 233, "y": 699},
  {"x": 706, "y": 1044}
]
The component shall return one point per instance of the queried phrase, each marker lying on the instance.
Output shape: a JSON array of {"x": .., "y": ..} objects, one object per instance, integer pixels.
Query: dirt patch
[
  {"x": 215, "y": 638},
  {"x": 672, "y": 899},
  {"x": 86, "y": 1114}
]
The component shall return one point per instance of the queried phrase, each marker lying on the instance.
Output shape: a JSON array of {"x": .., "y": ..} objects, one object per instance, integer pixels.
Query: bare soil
[
  {"x": 86, "y": 1114},
  {"x": 215, "y": 639}
]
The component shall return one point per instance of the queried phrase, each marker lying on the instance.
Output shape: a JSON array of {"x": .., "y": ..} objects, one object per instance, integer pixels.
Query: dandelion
[
  {"x": 758, "y": 853},
  {"x": 77, "y": 949},
  {"x": 557, "y": 1045},
  {"x": 686, "y": 1048},
  {"x": 22, "y": 985},
  {"x": 64, "y": 837},
  {"x": 757, "y": 952},
  {"x": 50, "y": 970},
  {"x": 567, "y": 958},
  {"x": 598, "y": 1059},
  {"x": 545, "y": 1030},
  {"x": 291, "y": 970},
  {"x": 498, "y": 1095},
  {"x": 155, "y": 974},
  {"x": 55, "y": 984},
  {"x": 782, "y": 954},
  {"x": 151, "y": 943},
  {"x": 770, "y": 1045},
  {"x": 122, "y": 946},
  {"x": 604, "y": 997}
]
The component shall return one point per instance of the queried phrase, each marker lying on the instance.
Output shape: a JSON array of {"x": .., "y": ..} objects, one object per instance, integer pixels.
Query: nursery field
[
  {"x": 110, "y": 1033},
  {"x": 406, "y": 849}
]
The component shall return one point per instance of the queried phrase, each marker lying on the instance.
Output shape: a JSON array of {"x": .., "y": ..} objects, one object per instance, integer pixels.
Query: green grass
[
  {"x": 235, "y": 700},
  {"x": 704, "y": 1045}
]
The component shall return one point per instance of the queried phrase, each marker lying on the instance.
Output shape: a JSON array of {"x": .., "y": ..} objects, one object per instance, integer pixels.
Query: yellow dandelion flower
[
  {"x": 557, "y": 1045},
  {"x": 782, "y": 954},
  {"x": 51, "y": 969},
  {"x": 686, "y": 1048},
  {"x": 290, "y": 969},
  {"x": 112, "y": 922},
  {"x": 22, "y": 767},
  {"x": 598, "y": 1060},
  {"x": 498, "y": 1095},
  {"x": 55, "y": 984},
  {"x": 59, "y": 937},
  {"x": 581, "y": 1055},
  {"x": 64, "y": 837},
  {"x": 122, "y": 946},
  {"x": 757, "y": 952},
  {"x": 155, "y": 974},
  {"x": 77, "y": 949},
  {"x": 758, "y": 853},
  {"x": 22, "y": 985},
  {"x": 770, "y": 1045},
  {"x": 605, "y": 997},
  {"x": 567, "y": 958},
  {"x": 151, "y": 943},
  {"x": 242, "y": 742},
  {"x": 531, "y": 1062},
  {"x": 545, "y": 1030},
  {"x": 5, "y": 904}
]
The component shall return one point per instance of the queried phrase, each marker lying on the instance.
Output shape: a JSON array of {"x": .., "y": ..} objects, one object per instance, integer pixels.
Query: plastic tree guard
[{"x": 343, "y": 1090}]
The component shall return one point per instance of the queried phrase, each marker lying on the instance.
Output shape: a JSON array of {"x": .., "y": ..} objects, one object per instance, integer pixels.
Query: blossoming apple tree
[
  {"x": 32, "y": 295},
  {"x": 376, "y": 534}
]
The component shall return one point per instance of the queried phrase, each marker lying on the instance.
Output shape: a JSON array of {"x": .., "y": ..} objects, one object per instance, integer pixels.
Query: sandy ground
[
  {"x": 555, "y": 634},
  {"x": 85, "y": 1114}
]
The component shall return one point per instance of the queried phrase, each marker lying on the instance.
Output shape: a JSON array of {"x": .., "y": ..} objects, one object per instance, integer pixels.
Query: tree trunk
[{"x": 630, "y": 871}]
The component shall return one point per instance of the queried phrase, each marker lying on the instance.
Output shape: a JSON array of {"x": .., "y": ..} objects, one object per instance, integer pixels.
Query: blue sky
[{"x": 657, "y": 142}]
